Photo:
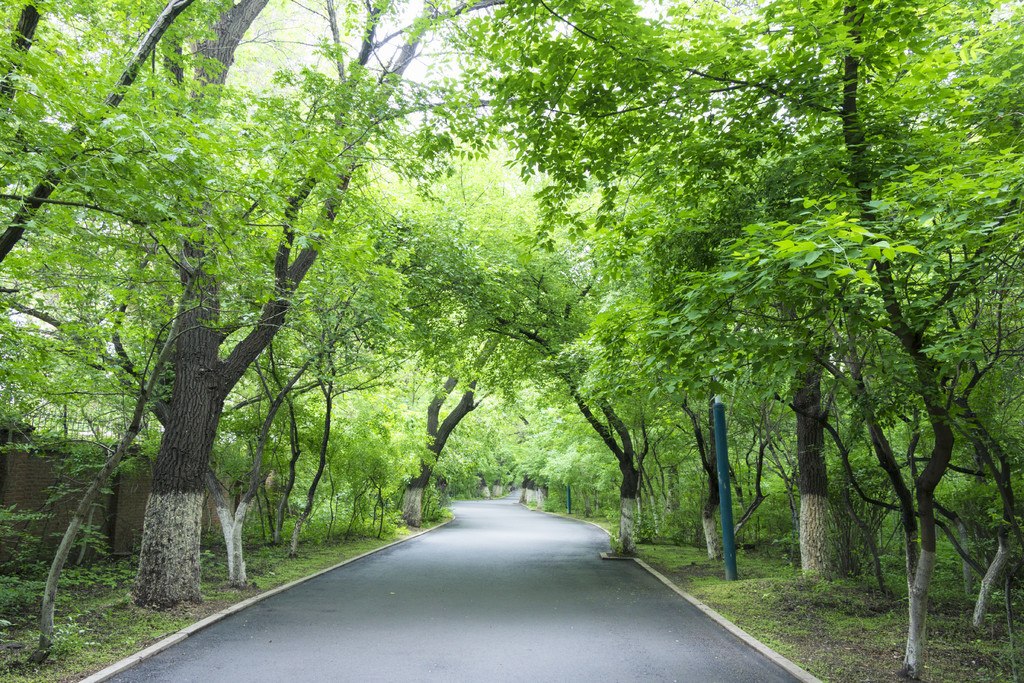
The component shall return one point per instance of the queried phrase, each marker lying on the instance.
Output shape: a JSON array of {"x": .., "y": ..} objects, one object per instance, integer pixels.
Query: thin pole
[
  {"x": 724, "y": 493},
  {"x": 568, "y": 498}
]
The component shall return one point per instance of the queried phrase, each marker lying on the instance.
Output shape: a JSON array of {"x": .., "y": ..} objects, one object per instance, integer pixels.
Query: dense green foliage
[{"x": 811, "y": 210}]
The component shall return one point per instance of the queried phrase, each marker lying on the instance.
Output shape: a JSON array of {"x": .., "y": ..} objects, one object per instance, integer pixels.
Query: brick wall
[
  {"x": 27, "y": 480},
  {"x": 130, "y": 509}
]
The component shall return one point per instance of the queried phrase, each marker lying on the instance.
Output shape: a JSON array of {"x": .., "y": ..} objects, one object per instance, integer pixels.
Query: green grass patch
[{"x": 837, "y": 630}]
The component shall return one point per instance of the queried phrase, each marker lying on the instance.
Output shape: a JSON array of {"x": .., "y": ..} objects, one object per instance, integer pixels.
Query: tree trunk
[
  {"x": 627, "y": 523},
  {"x": 965, "y": 566},
  {"x": 311, "y": 493},
  {"x": 709, "y": 522},
  {"x": 628, "y": 493},
  {"x": 439, "y": 431},
  {"x": 169, "y": 562},
  {"x": 814, "y": 534},
  {"x": 412, "y": 500},
  {"x": 236, "y": 558},
  {"x": 296, "y": 451},
  {"x": 169, "y": 559},
  {"x": 988, "y": 583},
  {"x": 232, "y": 524},
  {"x": 919, "y": 581},
  {"x": 918, "y": 614},
  {"x": 24, "y": 35},
  {"x": 812, "y": 481},
  {"x": 709, "y": 463}
]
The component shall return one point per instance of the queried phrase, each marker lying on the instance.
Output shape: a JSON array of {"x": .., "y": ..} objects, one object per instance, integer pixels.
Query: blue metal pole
[
  {"x": 568, "y": 498},
  {"x": 724, "y": 493}
]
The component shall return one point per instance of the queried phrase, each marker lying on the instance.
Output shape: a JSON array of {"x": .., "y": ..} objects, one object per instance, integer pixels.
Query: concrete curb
[
  {"x": 790, "y": 667},
  {"x": 175, "y": 638}
]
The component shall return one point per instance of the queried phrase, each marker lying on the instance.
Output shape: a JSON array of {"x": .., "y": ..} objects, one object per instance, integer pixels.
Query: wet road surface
[{"x": 500, "y": 594}]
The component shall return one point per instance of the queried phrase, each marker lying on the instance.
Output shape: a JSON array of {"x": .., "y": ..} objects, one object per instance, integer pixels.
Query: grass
[
  {"x": 96, "y": 624},
  {"x": 837, "y": 630}
]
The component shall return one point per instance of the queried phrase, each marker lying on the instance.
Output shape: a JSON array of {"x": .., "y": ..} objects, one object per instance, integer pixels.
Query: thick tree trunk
[
  {"x": 169, "y": 566},
  {"x": 412, "y": 500},
  {"x": 628, "y": 505},
  {"x": 439, "y": 431},
  {"x": 814, "y": 534},
  {"x": 813, "y": 481},
  {"x": 169, "y": 559},
  {"x": 627, "y": 524}
]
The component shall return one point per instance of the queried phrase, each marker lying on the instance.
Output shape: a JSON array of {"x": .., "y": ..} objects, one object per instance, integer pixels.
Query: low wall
[{"x": 33, "y": 481}]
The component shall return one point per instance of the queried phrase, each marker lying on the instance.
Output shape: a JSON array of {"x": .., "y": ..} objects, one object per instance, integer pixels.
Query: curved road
[{"x": 500, "y": 594}]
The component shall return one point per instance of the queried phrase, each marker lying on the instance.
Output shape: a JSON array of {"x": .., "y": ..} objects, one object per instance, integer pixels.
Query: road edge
[
  {"x": 789, "y": 666},
  {"x": 132, "y": 660}
]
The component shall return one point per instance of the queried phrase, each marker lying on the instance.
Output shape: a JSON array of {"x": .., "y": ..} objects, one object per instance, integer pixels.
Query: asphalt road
[{"x": 500, "y": 594}]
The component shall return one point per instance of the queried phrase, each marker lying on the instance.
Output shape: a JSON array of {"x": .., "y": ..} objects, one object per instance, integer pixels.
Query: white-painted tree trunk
[
  {"x": 540, "y": 499},
  {"x": 293, "y": 547},
  {"x": 711, "y": 537},
  {"x": 627, "y": 523},
  {"x": 497, "y": 491},
  {"x": 231, "y": 527},
  {"x": 989, "y": 581},
  {"x": 912, "y": 662},
  {"x": 814, "y": 554},
  {"x": 178, "y": 516},
  {"x": 412, "y": 506}
]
